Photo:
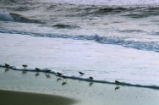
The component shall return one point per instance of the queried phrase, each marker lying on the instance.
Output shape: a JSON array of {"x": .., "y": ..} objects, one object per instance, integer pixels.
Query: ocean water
[{"x": 107, "y": 39}]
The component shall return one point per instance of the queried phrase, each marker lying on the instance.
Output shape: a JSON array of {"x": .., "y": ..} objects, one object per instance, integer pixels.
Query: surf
[
  {"x": 14, "y": 17},
  {"x": 140, "y": 45}
]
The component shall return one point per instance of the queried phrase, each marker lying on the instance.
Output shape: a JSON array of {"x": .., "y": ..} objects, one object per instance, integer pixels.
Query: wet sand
[
  {"x": 22, "y": 98},
  {"x": 23, "y": 88}
]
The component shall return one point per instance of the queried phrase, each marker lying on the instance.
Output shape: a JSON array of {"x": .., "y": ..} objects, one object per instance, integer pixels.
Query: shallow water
[
  {"x": 84, "y": 93},
  {"x": 106, "y": 39}
]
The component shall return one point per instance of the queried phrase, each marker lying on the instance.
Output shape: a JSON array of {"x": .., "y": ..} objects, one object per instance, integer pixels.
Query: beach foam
[
  {"x": 109, "y": 42},
  {"x": 108, "y": 63}
]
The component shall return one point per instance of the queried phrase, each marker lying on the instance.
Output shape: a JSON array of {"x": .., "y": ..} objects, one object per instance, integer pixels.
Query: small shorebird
[
  {"x": 91, "y": 78},
  {"x": 47, "y": 71},
  {"x": 117, "y": 82},
  {"x": 91, "y": 83},
  {"x": 37, "y": 74},
  {"x": 116, "y": 88},
  {"x": 64, "y": 83},
  {"x": 37, "y": 69},
  {"x": 6, "y": 65},
  {"x": 81, "y": 73},
  {"x": 59, "y": 74},
  {"x": 58, "y": 79},
  {"x": 25, "y": 66}
]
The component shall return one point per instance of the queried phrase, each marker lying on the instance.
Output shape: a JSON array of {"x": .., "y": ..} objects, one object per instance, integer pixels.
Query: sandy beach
[
  {"x": 23, "y": 88},
  {"x": 79, "y": 52}
]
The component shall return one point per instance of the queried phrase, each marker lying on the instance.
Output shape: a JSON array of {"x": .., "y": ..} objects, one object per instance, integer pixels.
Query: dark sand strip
[{"x": 22, "y": 98}]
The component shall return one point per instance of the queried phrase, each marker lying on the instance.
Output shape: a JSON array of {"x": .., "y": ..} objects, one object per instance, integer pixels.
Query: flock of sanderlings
[{"x": 60, "y": 75}]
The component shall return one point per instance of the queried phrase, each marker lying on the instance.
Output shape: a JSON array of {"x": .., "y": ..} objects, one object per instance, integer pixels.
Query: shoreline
[
  {"x": 59, "y": 58},
  {"x": 81, "y": 92},
  {"x": 48, "y": 71}
]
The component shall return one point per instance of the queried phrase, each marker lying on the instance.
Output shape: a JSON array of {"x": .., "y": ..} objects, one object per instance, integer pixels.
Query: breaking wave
[
  {"x": 16, "y": 18},
  {"x": 141, "y": 45},
  {"x": 62, "y": 26}
]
